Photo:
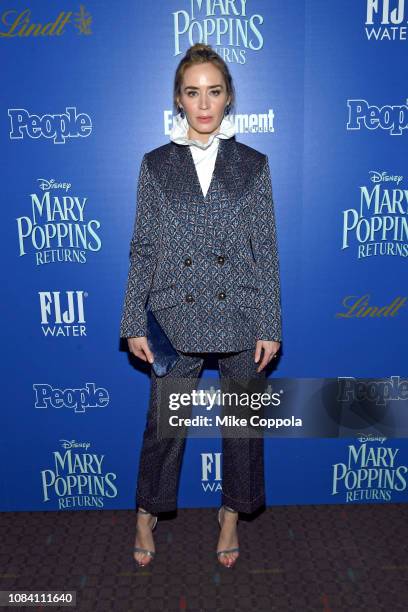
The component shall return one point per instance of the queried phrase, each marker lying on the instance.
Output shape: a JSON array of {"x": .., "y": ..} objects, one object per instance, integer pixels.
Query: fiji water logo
[
  {"x": 63, "y": 313},
  {"x": 385, "y": 20},
  {"x": 392, "y": 118},
  {"x": 57, "y": 127},
  {"x": 211, "y": 472}
]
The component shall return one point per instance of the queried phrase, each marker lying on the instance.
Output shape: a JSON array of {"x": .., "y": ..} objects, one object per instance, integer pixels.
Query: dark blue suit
[{"x": 208, "y": 268}]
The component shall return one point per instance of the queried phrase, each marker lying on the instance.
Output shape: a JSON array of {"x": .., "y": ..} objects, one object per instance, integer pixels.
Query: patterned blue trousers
[{"x": 243, "y": 487}]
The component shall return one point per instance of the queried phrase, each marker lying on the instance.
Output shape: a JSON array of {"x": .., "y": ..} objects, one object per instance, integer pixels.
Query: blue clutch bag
[{"x": 164, "y": 353}]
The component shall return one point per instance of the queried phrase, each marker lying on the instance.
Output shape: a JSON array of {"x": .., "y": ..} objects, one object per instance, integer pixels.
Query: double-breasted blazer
[{"x": 207, "y": 266}]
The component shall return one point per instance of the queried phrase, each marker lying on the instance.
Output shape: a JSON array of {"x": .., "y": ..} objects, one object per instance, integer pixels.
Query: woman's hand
[
  {"x": 139, "y": 347},
  {"x": 270, "y": 348}
]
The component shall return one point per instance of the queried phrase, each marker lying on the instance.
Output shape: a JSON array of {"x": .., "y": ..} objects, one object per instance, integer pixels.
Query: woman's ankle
[{"x": 229, "y": 509}]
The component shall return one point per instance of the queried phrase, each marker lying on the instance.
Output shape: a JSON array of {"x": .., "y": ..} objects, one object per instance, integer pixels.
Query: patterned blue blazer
[{"x": 208, "y": 266}]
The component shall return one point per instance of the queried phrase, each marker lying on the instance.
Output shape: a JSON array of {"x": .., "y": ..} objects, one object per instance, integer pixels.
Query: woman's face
[{"x": 203, "y": 98}]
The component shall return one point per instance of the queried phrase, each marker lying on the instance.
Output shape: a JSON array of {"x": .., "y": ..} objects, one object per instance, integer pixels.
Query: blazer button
[
  {"x": 188, "y": 261},
  {"x": 220, "y": 259},
  {"x": 221, "y": 295},
  {"x": 189, "y": 298}
]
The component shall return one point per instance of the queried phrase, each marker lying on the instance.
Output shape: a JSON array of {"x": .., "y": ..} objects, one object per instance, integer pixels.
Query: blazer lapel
[
  {"x": 227, "y": 175},
  {"x": 216, "y": 211}
]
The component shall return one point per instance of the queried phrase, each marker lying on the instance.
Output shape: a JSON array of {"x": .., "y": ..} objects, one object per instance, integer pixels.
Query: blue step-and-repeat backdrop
[{"x": 86, "y": 91}]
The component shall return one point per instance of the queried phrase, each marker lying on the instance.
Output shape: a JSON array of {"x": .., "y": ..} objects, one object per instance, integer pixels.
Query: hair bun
[{"x": 198, "y": 48}]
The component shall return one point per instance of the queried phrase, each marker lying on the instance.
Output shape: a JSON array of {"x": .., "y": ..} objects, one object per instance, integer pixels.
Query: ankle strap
[
  {"x": 230, "y": 509},
  {"x": 145, "y": 511}
]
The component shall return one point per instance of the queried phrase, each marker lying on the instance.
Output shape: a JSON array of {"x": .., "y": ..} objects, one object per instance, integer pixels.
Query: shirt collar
[{"x": 178, "y": 133}]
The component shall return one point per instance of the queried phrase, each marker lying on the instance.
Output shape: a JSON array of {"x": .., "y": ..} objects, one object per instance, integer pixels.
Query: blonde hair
[{"x": 199, "y": 54}]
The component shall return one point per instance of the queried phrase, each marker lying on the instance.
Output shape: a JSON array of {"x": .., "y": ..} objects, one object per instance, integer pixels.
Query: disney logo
[
  {"x": 370, "y": 438},
  {"x": 73, "y": 444},
  {"x": 381, "y": 177},
  {"x": 52, "y": 184}
]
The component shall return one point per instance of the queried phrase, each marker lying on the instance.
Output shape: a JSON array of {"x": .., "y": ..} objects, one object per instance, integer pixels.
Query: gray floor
[{"x": 297, "y": 558}]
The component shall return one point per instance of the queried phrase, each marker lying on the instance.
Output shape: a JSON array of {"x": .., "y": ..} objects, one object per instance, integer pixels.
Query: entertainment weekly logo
[
  {"x": 245, "y": 123},
  {"x": 228, "y": 27},
  {"x": 63, "y": 313},
  {"x": 57, "y": 228},
  {"x": 378, "y": 225},
  {"x": 385, "y": 20},
  {"x": 77, "y": 478},
  {"x": 390, "y": 118},
  {"x": 57, "y": 127},
  {"x": 369, "y": 472}
]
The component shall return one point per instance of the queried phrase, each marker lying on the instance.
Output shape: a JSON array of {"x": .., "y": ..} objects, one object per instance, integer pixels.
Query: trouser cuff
[{"x": 247, "y": 507}]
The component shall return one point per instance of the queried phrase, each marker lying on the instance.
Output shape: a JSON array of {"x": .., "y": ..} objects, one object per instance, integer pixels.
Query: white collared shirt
[{"x": 204, "y": 153}]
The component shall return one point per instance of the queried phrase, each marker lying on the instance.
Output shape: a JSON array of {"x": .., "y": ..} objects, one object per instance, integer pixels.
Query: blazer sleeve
[
  {"x": 143, "y": 257},
  {"x": 265, "y": 250}
]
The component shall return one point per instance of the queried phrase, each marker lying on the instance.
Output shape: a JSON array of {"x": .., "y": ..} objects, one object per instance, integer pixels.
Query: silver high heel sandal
[
  {"x": 228, "y": 550},
  {"x": 150, "y": 553}
]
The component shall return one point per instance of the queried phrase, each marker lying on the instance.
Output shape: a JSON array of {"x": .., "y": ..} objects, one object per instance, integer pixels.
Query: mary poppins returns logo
[
  {"x": 369, "y": 472},
  {"x": 78, "y": 477},
  {"x": 377, "y": 225},
  {"x": 231, "y": 27},
  {"x": 57, "y": 227}
]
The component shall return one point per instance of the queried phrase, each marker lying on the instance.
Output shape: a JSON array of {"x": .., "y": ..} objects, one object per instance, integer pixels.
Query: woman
[{"x": 204, "y": 257}]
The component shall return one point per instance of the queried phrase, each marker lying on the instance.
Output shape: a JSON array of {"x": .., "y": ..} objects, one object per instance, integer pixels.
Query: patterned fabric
[
  {"x": 243, "y": 486},
  {"x": 204, "y": 153},
  {"x": 207, "y": 265}
]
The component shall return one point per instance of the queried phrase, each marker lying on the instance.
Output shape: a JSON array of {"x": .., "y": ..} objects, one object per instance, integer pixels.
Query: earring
[
  {"x": 181, "y": 111},
  {"x": 227, "y": 110}
]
